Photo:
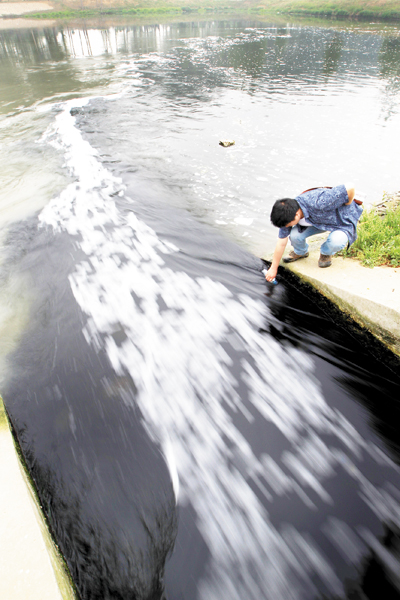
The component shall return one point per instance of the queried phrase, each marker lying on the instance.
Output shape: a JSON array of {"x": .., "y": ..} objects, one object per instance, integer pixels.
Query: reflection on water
[
  {"x": 333, "y": 54},
  {"x": 191, "y": 431},
  {"x": 389, "y": 60}
]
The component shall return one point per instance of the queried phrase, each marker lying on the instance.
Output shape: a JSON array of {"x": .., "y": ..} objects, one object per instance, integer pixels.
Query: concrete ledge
[
  {"x": 370, "y": 296},
  {"x": 31, "y": 567}
]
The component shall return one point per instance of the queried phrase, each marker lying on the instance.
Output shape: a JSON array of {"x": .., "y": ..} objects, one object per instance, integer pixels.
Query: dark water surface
[{"x": 192, "y": 431}]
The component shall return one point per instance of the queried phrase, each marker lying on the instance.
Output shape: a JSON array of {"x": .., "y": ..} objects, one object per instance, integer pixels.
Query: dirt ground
[{"x": 21, "y": 8}]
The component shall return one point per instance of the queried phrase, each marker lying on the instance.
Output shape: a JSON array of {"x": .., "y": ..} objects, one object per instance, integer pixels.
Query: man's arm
[
  {"x": 350, "y": 192},
  {"x": 332, "y": 197},
  {"x": 276, "y": 259}
]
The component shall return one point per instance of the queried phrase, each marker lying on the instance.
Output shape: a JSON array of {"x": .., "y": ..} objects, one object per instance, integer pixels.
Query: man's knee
[
  {"x": 339, "y": 239},
  {"x": 336, "y": 241}
]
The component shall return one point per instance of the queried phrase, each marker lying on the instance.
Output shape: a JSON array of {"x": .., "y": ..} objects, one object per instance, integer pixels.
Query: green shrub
[
  {"x": 378, "y": 241},
  {"x": 3, "y": 417}
]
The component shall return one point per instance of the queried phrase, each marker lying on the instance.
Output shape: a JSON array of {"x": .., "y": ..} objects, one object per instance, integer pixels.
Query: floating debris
[
  {"x": 76, "y": 110},
  {"x": 227, "y": 143}
]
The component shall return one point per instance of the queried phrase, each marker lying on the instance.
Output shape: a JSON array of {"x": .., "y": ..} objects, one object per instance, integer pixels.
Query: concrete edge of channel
[
  {"x": 32, "y": 565},
  {"x": 381, "y": 321}
]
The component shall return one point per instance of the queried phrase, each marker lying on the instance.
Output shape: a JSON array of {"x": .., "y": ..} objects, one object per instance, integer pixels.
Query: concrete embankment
[
  {"x": 369, "y": 296},
  {"x": 30, "y": 566}
]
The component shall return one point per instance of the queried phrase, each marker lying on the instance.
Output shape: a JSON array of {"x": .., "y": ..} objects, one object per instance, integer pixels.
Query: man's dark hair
[{"x": 284, "y": 211}]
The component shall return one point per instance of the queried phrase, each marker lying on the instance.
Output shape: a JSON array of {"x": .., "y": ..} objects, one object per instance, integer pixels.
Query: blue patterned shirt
[{"x": 326, "y": 209}]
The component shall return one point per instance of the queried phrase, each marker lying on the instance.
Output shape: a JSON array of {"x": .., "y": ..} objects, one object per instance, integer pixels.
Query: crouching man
[{"x": 312, "y": 212}]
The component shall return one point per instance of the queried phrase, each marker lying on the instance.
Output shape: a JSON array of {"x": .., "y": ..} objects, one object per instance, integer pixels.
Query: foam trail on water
[{"x": 178, "y": 329}]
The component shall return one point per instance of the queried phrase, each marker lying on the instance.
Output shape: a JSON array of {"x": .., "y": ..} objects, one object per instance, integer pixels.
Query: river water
[{"x": 191, "y": 430}]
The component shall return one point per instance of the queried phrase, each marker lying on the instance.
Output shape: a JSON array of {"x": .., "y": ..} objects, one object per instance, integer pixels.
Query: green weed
[
  {"x": 93, "y": 12},
  {"x": 378, "y": 241},
  {"x": 3, "y": 416}
]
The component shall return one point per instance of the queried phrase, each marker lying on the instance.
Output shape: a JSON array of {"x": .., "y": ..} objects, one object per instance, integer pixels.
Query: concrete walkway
[
  {"x": 370, "y": 296},
  {"x": 30, "y": 566}
]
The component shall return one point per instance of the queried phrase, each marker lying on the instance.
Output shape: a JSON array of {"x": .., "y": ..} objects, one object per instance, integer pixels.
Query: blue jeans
[{"x": 335, "y": 242}]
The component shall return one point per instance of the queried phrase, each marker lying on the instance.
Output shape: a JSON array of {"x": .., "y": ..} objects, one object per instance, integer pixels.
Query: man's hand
[
  {"x": 278, "y": 253},
  {"x": 271, "y": 274},
  {"x": 350, "y": 192}
]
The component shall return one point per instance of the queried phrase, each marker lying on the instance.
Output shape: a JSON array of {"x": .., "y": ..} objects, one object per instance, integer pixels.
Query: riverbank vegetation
[
  {"x": 3, "y": 418},
  {"x": 379, "y": 10},
  {"x": 378, "y": 241}
]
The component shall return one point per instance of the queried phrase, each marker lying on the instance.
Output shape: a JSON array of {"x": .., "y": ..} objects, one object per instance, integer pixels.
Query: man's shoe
[
  {"x": 325, "y": 260},
  {"x": 293, "y": 256}
]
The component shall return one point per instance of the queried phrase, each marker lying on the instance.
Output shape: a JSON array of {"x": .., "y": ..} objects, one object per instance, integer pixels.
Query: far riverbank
[{"x": 370, "y": 10}]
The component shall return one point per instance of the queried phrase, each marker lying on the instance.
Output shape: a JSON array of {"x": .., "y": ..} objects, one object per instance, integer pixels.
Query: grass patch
[
  {"x": 93, "y": 12},
  {"x": 340, "y": 9},
  {"x": 3, "y": 416},
  {"x": 69, "y": 13},
  {"x": 378, "y": 241}
]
